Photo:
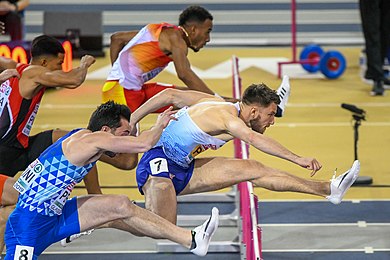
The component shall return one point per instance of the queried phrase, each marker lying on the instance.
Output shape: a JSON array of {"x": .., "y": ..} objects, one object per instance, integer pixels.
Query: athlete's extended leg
[
  {"x": 97, "y": 210},
  {"x": 216, "y": 173},
  {"x": 160, "y": 198}
]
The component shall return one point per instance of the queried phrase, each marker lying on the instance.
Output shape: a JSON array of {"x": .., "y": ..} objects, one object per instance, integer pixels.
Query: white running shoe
[
  {"x": 66, "y": 241},
  {"x": 202, "y": 234},
  {"x": 340, "y": 185},
  {"x": 283, "y": 91}
]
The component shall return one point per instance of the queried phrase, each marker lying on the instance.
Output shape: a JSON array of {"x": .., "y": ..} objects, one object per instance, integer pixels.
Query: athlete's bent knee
[
  {"x": 123, "y": 205},
  {"x": 160, "y": 184}
]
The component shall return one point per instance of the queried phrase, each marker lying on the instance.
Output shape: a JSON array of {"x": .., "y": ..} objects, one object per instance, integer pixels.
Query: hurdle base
[
  {"x": 227, "y": 220},
  {"x": 208, "y": 197},
  {"x": 362, "y": 181},
  {"x": 215, "y": 247}
]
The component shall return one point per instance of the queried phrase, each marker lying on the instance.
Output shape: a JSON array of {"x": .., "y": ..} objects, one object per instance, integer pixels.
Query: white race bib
[
  {"x": 158, "y": 165},
  {"x": 5, "y": 92},
  {"x": 27, "y": 128},
  {"x": 24, "y": 252},
  {"x": 151, "y": 74}
]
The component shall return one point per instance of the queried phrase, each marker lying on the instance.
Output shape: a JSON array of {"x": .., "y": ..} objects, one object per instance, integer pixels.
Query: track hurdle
[{"x": 251, "y": 233}]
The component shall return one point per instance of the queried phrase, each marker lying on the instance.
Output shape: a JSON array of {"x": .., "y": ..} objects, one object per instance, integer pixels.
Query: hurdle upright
[{"x": 250, "y": 231}]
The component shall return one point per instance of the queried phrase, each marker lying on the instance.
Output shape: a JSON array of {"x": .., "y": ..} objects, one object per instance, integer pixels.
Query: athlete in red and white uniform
[
  {"x": 17, "y": 114},
  {"x": 19, "y": 103}
]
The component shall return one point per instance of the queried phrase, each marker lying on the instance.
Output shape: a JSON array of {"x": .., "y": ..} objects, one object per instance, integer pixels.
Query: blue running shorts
[
  {"x": 31, "y": 230},
  {"x": 155, "y": 163}
]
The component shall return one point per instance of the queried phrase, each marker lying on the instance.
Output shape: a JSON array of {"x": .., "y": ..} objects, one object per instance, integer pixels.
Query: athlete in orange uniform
[
  {"x": 138, "y": 62},
  {"x": 138, "y": 56}
]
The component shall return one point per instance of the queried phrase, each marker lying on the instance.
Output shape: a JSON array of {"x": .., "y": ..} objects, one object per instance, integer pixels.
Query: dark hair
[
  {"x": 108, "y": 114},
  {"x": 260, "y": 94},
  {"x": 194, "y": 13},
  {"x": 46, "y": 45}
]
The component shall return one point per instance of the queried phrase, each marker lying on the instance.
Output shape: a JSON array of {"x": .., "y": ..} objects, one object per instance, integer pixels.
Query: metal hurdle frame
[{"x": 250, "y": 231}]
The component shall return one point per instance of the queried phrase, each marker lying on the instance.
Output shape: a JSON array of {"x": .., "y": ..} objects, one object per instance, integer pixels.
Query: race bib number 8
[
  {"x": 24, "y": 252},
  {"x": 158, "y": 165}
]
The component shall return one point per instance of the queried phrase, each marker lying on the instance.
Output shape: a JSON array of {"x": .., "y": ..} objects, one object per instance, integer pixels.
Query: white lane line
[
  {"x": 362, "y": 223},
  {"x": 338, "y": 105},
  {"x": 369, "y": 250},
  {"x": 78, "y": 252},
  {"x": 330, "y": 124}
]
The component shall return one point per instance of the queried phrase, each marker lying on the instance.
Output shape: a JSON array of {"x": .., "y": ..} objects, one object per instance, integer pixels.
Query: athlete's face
[
  {"x": 262, "y": 118},
  {"x": 200, "y": 34},
  {"x": 123, "y": 130},
  {"x": 55, "y": 62}
]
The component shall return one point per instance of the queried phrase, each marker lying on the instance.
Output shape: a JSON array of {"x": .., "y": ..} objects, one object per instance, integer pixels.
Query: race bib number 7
[{"x": 158, "y": 165}]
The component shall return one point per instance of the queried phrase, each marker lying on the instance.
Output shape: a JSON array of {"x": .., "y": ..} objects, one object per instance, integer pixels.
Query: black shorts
[{"x": 13, "y": 159}]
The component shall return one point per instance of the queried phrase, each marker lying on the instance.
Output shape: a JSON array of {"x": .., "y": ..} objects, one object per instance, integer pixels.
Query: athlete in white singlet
[{"x": 173, "y": 167}]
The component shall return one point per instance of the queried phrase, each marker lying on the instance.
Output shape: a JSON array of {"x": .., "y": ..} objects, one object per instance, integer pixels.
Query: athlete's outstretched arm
[
  {"x": 179, "y": 52},
  {"x": 238, "y": 129},
  {"x": 7, "y": 63},
  {"x": 70, "y": 79},
  {"x": 79, "y": 149},
  {"x": 7, "y": 74},
  {"x": 142, "y": 143},
  {"x": 123, "y": 161},
  {"x": 179, "y": 98},
  {"x": 120, "y": 161}
]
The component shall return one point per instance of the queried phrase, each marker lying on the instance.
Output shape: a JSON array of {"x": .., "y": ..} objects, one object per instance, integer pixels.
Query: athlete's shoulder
[
  {"x": 169, "y": 26},
  {"x": 33, "y": 71}
]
